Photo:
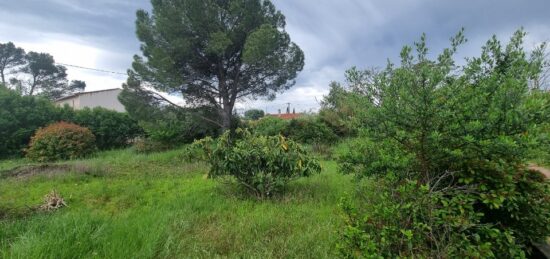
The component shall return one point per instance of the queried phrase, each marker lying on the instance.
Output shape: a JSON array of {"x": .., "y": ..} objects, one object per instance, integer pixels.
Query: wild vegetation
[
  {"x": 441, "y": 138},
  {"x": 123, "y": 204},
  {"x": 424, "y": 158},
  {"x": 21, "y": 116},
  {"x": 271, "y": 161},
  {"x": 61, "y": 141}
]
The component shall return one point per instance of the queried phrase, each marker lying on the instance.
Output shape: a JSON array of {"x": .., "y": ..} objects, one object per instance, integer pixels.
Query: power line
[{"x": 93, "y": 69}]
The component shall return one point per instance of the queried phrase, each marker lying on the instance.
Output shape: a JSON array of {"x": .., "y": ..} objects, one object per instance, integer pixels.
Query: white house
[{"x": 102, "y": 98}]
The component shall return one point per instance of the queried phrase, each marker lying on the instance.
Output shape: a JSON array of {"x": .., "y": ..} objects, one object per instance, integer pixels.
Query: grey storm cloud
[{"x": 334, "y": 34}]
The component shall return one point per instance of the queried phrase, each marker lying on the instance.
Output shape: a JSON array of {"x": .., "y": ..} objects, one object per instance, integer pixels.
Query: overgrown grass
[{"x": 157, "y": 205}]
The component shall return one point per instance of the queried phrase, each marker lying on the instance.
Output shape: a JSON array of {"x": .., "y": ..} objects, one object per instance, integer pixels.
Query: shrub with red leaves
[{"x": 61, "y": 141}]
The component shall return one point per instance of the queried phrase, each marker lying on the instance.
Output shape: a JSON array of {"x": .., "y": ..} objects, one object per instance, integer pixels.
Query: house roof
[
  {"x": 89, "y": 92},
  {"x": 287, "y": 116}
]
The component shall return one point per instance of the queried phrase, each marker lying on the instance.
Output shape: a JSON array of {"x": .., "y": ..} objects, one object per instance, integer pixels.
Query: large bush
[
  {"x": 261, "y": 164},
  {"x": 475, "y": 122},
  {"x": 392, "y": 218},
  {"x": 269, "y": 126},
  {"x": 20, "y": 117},
  {"x": 309, "y": 130},
  {"x": 364, "y": 157},
  {"x": 306, "y": 130},
  {"x": 112, "y": 129},
  {"x": 61, "y": 141}
]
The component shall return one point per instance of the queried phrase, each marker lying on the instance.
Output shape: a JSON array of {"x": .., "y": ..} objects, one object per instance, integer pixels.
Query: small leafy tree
[
  {"x": 261, "y": 164},
  {"x": 473, "y": 122}
]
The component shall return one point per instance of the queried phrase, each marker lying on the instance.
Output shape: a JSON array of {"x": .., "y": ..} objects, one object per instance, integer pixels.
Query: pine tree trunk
[{"x": 226, "y": 117}]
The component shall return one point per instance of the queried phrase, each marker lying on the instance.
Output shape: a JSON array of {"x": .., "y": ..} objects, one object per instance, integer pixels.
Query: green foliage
[
  {"x": 254, "y": 114},
  {"x": 269, "y": 126},
  {"x": 11, "y": 57},
  {"x": 363, "y": 157},
  {"x": 309, "y": 130},
  {"x": 403, "y": 219},
  {"x": 47, "y": 77},
  {"x": 271, "y": 161},
  {"x": 41, "y": 74},
  {"x": 111, "y": 129},
  {"x": 137, "y": 203},
  {"x": 61, "y": 141},
  {"x": 168, "y": 125},
  {"x": 188, "y": 49},
  {"x": 20, "y": 117},
  {"x": 344, "y": 108},
  {"x": 539, "y": 101},
  {"x": 477, "y": 121}
]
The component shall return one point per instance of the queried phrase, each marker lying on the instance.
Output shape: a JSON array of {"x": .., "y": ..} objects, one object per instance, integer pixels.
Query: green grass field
[{"x": 124, "y": 205}]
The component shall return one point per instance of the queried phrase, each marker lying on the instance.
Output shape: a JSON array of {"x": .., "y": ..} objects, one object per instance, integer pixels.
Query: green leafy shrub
[
  {"x": 262, "y": 165},
  {"x": 164, "y": 131},
  {"x": 20, "y": 117},
  {"x": 476, "y": 121},
  {"x": 112, "y": 129},
  {"x": 364, "y": 157},
  {"x": 391, "y": 218},
  {"x": 61, "y": 141},
  {"x": 309, "y": 130},
  {"x": 269, "y": 126}
]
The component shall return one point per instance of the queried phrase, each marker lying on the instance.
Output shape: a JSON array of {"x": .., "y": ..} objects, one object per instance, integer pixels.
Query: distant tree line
[{"x": 35, "y": 73}]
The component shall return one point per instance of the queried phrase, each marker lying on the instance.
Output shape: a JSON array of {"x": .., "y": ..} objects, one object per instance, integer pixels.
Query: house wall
[
  {"x": 73, "y": 102},
  {"x": 105, "y": 99}
]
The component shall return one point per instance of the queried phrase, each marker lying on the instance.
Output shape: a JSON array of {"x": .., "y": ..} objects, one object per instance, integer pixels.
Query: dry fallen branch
[{"x": 53, "y": 201}]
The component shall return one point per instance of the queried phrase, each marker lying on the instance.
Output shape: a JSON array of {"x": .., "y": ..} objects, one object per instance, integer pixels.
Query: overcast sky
[{"x": 334, "y": 34}]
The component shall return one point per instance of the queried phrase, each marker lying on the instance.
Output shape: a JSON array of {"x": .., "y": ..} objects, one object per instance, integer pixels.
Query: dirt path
[{"x": 544, "y": 171}]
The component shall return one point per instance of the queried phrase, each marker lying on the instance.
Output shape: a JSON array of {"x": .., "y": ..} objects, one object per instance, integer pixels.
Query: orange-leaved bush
[{"x": 61, "y": 141}]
